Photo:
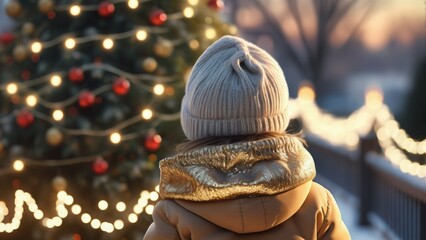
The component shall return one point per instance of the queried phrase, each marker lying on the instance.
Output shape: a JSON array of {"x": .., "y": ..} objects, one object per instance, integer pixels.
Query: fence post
[{"x": 368, "y": 143}]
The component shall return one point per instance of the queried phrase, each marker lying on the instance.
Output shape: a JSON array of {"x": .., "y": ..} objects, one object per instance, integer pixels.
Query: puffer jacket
[{"x": 249, "y": 190}]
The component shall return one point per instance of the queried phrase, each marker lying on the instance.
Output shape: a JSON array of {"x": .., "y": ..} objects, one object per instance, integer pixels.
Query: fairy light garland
[
  {"x": 65, "y": 206},
  {"x": 347, "y": 131}
]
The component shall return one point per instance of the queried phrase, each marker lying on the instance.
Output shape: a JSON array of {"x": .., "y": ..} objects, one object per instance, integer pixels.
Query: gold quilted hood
[{"x": 263, "y": 167}]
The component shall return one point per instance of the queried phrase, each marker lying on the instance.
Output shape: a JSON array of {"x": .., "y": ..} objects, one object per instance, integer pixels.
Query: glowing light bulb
[
  {"x": 159, "y": 89},
  {"x": 36, "y": 47},
  {"x": 141, "y": 35},
  {"x": 133, "y": 4},
  {"x": 147, "y": 114},
  {"x": 62, "y": 195},
  {"x": 133, "y": 218},
  {"x": 18, "y": 165},
  {"x": 108, "y": 43},
  {"x": 55, "y": 80},
  {"x": 58, "y": 115},
  {"x": 85, "y": 218},
  {"x": 210, "y": 33},
  {"x": 68, "y": 200},
  {"x": 194, "y": 44},
  {"x": 75, "y": 10},
  {"x": 188, "y": 12},
  {"x": 193, "y": 2},
  {"x": 12, "y": 88},
  {"x": 70, "y": 43},
  {"x": 153, "y": 196},
  {"x": 31, "y": 100},
  {"x": 38, "y": 214},
  {"x": 76, "y": 209},
  {"x": 115, "y": 138},
  {"x": 149, "y": 209},
  {"x": 374, "y": 98},
  {"x": 138, "y": 208},
  {"x": 157, "y": 188},
  {"x": 103, "y": 205},
  {"x": 118, "y": 224},
  {"x": 95, "y": 223},
  {"x": 121, "y": 206},
  {"x": 306, "y": 92}
]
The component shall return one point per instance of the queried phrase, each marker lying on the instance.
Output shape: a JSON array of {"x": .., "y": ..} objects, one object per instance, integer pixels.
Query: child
[{"x": 241, "y": 176}]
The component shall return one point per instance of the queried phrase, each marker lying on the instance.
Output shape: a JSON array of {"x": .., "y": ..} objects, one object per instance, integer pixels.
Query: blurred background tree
[
  {"x": 89, "y": 102},
  {"x": 305, "y": 32}
]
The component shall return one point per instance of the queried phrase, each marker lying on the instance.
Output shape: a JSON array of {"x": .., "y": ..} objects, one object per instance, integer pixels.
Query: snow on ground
[{"x": 349, "y": 210}]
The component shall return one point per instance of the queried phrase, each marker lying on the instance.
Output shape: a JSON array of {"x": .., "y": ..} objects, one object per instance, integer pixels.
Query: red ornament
[
  {"x": 216, "y": 4},
  {"x": 76, "y": 75},
  {"x": 100, "y": 166},
  {"x": 86, "y": 99},
  {"x": 121, "y": 86},
  {"x": 153, "y": 142},
  {"x": 158, "y": 17},
  {"x": 6, "y": 38},
  {"x": 24, "y": 118},
  {"x": 106, "y": 9}
]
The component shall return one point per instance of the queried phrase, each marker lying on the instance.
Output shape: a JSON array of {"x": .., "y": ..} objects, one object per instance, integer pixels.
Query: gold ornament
[
  {"x": 163, "y": 48},
  {"x": 28, "y": 28},
  {"x": 149, "y": 64},
  {"x": 54, "y": 137},
  {"x": 59, "y": 183},
  {"x": 20, "y": 53},
  {"x": 13, "y": 9},
  {"x": 45, "y": 5}
]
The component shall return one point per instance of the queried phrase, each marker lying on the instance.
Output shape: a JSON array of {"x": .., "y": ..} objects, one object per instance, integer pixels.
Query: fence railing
[{"x": 388, "y": 199}]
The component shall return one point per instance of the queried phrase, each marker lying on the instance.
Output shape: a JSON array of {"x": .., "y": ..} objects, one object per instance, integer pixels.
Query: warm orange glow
[
  {"x": 374, "y": 98},
  {"x": 306, "y": 92}
]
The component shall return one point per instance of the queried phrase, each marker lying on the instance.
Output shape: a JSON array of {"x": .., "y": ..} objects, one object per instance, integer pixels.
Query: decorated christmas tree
[{"x": 90, "y": 97}]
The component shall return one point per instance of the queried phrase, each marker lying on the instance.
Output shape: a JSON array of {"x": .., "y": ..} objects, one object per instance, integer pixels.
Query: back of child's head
[{"x": 235, "y": 88}]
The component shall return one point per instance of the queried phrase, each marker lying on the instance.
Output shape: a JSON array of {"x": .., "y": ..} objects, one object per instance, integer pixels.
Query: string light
[
  {"x": 63, "y": 200},
  {"x": 159, "y": 89},
  {"x": 103, "y": 205},
  {"x": 193, "y": 2},
  {"x": 118, "y": 224},
  {"x": 76, "y": 209},
  {"x": 141, "y": 35},
  {"x": 75, "y": 10},
  {"x": 133, "y": 4},
  {"x": 57, "y": 115},
  {"x": 18, "y": 165},
  {"x": 188, "y": 12},
  {"x": 31, "y": 100},
  {"x": 108, "y": 43},
  {"x": 147, "y": 114},
  {"x": 70, "y": 43},
  {"x": 194, "y": 44},
  {"x": 210, "y": 33},
  {"x": 306, "y": 92},
  {"x": 121, "y": 206},
  {"x": 115, "y": 138},
  {"x": 36, "y": 47},
  {"x": 374, "y": 98},
  {"x": 133, "y": 218},
  {"x": 12, "y": 88},
  {"x": 55, "y": 80}
]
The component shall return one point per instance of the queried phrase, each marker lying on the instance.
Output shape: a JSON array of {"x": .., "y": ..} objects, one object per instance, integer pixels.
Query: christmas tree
[{"x": 90, "y": 97}]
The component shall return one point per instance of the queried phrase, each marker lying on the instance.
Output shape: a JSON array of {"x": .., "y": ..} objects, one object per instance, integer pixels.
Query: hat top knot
[{"x": 235, "y": 88}]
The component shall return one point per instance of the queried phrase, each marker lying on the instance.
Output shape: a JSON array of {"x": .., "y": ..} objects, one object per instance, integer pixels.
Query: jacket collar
[{"x": 264, "y": 167}]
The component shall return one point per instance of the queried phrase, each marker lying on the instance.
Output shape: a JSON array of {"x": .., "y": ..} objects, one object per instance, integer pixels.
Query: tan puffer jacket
[{"x": 251, "y": 190}]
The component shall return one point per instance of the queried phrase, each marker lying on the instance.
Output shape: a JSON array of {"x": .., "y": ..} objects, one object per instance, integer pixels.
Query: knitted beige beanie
[{"x": 235, "y": 88}]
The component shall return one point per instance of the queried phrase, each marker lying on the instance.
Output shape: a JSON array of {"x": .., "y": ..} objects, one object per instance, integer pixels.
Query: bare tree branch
[
  {"x": 276, "y": 28},
  {"x": 294, "y": 10}
]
